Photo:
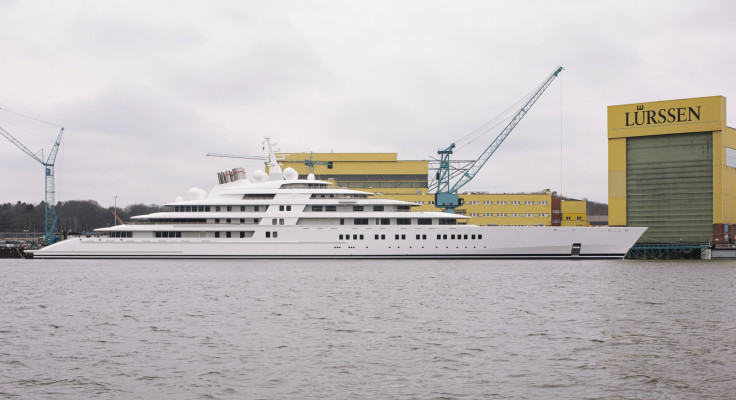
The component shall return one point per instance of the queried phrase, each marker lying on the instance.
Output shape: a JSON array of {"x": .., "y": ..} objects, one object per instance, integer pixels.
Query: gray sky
[{"x": 146, "y": 89}]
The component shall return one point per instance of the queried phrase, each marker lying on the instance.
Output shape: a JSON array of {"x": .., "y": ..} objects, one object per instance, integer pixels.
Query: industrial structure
[
  {"x": 448, "y": 180},
  {"x": 50, "y": 234},
  {"x": 672, "y": 168},
  {"x": 389, "y": 177}
]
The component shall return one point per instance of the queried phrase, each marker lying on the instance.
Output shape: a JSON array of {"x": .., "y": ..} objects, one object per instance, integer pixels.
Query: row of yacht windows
[
  {"x": 338, "y": 196},
  {"x": 283, "y": 207},
  {"x": 231, "y": 234},
  {"x": 121, "y": 234},
  {"x": 399, "y": 221},
  {"x": 281, "y": 221},
  {"x": 418, "y": 237},
  {"x": 274, "y": 234}
]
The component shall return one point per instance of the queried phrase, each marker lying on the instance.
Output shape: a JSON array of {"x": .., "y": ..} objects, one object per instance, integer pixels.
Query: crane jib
[{"x": 446, "y": 196}]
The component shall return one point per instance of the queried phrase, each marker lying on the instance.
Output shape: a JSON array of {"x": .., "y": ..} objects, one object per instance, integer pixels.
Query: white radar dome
[
  {"x": 310, "y": 177},
  {"x": 290, "y": 174},
  {"x": 259, "y": 176},
  {"x": 197, "y": 194}
]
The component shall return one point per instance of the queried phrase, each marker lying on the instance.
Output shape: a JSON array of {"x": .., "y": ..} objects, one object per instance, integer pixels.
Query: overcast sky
[{"x": 145, "y": 89}]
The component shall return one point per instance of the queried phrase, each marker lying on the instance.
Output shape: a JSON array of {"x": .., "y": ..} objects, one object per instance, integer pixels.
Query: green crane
[
  {"x": 50, "y": 185},
  {"x": 446, "y": 191}
]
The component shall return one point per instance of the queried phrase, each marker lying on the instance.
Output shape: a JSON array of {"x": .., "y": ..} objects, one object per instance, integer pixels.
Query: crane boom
[
  {"x": 19, "y": 145},
  {"x": 446, "y": 196},
  {"x": 237, "y": 156}
]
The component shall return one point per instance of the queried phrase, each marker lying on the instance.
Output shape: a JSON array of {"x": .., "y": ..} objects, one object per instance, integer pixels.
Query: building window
[
  {"x": 268, "y": 234},
  {"x": 580, "y": 218},
  {"x": 403, "y": 221},
  {"x": 316, "y": 208},
  {"x": 357, "y": 208},
  {"x": 377, "y": 208},
  {"x": 330, "y": 208},
  {"x": 217, "y": 234},
  {"x": 227, "y": 234},
  {"x": 360, "y": 221},
  {"x": 502, "y": 202}
]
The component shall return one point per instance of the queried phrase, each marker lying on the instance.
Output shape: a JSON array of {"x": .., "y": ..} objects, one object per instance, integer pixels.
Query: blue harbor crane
[
  {"x": 446, "y": 191},
  {"x": 50, "y": 198}
]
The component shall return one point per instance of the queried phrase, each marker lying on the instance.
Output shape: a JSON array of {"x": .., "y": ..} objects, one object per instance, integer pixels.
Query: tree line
[{"x": 73, "y": 216}]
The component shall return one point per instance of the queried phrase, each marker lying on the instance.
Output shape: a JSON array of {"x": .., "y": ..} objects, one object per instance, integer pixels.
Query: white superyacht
[{"x": 278, "y": 215}]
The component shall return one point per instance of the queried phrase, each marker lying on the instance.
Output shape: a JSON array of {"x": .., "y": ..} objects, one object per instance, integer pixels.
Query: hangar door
[{"x": 669, "y": 186}]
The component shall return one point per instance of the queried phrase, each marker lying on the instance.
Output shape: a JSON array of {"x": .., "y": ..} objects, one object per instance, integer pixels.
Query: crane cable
[
  {"x": 501, "y": 118},
  {"x": 29, "y": 117}
]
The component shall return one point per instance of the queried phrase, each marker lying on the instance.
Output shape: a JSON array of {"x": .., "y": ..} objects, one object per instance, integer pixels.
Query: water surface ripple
[{"x": 367, "y": 329}]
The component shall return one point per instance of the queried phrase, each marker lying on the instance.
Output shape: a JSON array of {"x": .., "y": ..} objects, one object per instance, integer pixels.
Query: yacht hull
[{"x": 339, "y": 242}]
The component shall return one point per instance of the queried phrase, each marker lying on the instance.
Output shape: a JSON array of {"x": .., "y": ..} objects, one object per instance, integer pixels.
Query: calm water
[{"x": 367, "y": 329}]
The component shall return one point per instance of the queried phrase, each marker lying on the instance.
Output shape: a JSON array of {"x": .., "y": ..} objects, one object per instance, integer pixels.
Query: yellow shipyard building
[
  {"x": 672, "y": 168},
  {"x": 384, "y": 174}
]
